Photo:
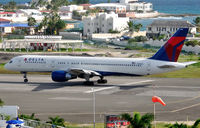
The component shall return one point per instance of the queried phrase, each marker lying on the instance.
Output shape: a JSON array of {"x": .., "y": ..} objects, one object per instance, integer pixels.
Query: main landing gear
[
  {"x": 25, "y": 77},
  {"x": 101, "y": 80},
  {"x": 88, "y": 82}
]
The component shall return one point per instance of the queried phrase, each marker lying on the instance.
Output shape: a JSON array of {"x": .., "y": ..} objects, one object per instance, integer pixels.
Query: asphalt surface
[{"x": 74, "y": 101}]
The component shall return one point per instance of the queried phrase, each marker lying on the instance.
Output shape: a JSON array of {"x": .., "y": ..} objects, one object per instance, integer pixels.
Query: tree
[
  {"x": 29, "y": 117},
  {"x": 56, "y": 121},
  {"x": 197, "y": 23},
  {"x": 137, "y": 27},
  {"x": 1, "y": 102},
  {"x": 31, "y": 21},
  {"x": 108, "y": 1},
  {"x": 176, "y": 125},
  {"x": 138, "y": 121},
  {"x": 52, "y": 24},
  {"x": 130, "y": 26},
  {"x": 80, "y": 1},
  {"x": 11, "y": 6},
  {"x": 60, "y": 24},
  {"x": 134, "y": 27}
]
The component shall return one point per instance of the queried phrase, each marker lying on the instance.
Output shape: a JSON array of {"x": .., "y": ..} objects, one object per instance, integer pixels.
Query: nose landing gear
[{"x": 25, "y": 77}]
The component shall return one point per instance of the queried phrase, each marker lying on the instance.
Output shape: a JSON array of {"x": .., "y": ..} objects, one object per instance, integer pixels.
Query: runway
[{"x": 73, "y": 101}]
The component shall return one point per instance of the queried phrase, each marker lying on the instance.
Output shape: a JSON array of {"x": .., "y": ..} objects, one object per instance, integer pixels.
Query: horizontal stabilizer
[
  {"x": 167, "y": 66},
  {"x": 189, "y": 63}
]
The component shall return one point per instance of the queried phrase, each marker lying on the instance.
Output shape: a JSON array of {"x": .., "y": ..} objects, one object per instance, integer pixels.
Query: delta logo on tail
[{"x": 171, "y": 50}]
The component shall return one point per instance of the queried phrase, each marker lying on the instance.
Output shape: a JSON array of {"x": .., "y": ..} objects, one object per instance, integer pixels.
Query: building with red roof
[{"x": 4, "y": 21}]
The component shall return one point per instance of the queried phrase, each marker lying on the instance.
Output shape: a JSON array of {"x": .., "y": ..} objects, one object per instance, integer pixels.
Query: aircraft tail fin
[{"x": 172, "y": 48}]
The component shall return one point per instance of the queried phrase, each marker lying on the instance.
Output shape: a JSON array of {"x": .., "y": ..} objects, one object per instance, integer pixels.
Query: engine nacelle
[{"x": 61, "y": 76}]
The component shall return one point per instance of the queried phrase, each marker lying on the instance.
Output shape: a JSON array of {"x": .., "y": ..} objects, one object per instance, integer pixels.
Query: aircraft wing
[{"x": 77, "y": 71}]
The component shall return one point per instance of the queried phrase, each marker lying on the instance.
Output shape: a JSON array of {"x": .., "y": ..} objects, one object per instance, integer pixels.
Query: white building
[
  {"x": 36, "y": 1},
  {"x": 127, "y": 1},
  {"x": 168, "y": 27},
  {"x": 31, "y": 13},
  {"x": 139, "y": 6},
  {"x": 13, "y": 16},
  {"x": 103, "y": 22},
  {"x": 134, "y": 5},
  {"x": 71, "y": 8},
  {"x": 114, "y": 7}
]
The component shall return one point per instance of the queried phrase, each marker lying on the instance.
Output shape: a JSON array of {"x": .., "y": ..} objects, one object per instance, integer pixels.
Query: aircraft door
[
  {"x": 52, "y": 64},
  {"x": 19, "y": 62},
  {"x": 148, "y": 68}
]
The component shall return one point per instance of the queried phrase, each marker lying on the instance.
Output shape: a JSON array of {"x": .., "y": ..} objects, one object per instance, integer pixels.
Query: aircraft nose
[{"x": 6, "y": 66}]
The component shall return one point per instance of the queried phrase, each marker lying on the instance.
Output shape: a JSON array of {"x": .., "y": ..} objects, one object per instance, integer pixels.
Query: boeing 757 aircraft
[{"x": 64, "y": 68}]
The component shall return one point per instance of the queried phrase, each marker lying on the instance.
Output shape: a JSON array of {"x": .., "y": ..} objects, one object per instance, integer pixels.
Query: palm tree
[
  {"x": 197, "y": 21},
  {"x": 56, "y": 121},
  {"x": 130, "y": 26},
  {"x": 134, "y": 27},
  {"x": 176, "y": 125},
  {"x": 196, "y": 123},
  {"x": 1, "y": 102},
  {"x": 29, "y": 117},
  {"x": 138, "y": 121},
  {"x": 137, "y": 27},
  {"x": 31, "y": 21}
]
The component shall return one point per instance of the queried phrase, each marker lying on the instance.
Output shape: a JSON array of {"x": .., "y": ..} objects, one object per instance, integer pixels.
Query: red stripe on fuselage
[{"x": 172, "y": 42}]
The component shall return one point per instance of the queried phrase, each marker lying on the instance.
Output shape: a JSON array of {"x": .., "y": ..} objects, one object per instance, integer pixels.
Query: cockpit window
[{"x": 10, "y": 62}]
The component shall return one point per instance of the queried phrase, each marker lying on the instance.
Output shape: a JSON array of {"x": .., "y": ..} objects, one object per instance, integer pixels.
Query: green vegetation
[
  {"x": 28, "y": 117},
  {"x": 134, "y": 27},
  {"x": 138, "y": 121},
  {"x": 56, "y": 121},
  {"x": 197, "y": 23},
  {"x": 80, "y": 1},
  {"x": 113, "y": 31},
  {"x": 192, "y": 43},
  {"x": 11, "y": 6},
  {"x": 1, "y": 102},
  {"x": 31, "y": 21},
  {"x": 52, "y": 24}
]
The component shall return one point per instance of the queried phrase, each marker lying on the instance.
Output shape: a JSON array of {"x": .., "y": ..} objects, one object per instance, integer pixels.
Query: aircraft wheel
[
  {"x": 88, "y": 83},
  {"x": 25, "y": 80},
  {"x": 104, "y": 81}
]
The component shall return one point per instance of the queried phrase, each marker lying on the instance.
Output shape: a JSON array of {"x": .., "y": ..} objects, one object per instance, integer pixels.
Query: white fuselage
[{"x": 103, "y": 65}]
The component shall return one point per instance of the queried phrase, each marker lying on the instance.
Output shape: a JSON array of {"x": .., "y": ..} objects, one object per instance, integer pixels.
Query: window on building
[
  {"x": 164, "y": 29},
  {"x": 149, "y": 28},
  {"x": 88, "y": 30}
]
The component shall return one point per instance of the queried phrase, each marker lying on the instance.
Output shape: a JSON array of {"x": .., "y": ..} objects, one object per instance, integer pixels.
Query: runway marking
[
  {"x": 106, "y": 88},
  {"x": 178, "y": 87},
  {"x": 194, "y": 105},
  {"x": 70, "y": 98},
  {"x": 100, "y": 89}
]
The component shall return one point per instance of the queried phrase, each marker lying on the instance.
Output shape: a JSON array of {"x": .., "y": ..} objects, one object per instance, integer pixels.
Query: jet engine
[{"x": 62, "y": 76}]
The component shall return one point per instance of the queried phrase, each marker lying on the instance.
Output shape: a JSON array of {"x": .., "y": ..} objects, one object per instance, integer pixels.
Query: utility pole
[{"x": 94, "y": 107}]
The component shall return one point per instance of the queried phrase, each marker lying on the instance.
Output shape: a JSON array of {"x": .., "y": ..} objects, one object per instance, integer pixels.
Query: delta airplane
[{"x": 64, "y": 68}]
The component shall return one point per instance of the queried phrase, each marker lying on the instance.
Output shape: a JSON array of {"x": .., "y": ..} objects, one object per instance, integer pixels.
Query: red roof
[
  {"x": 4, "y": 20},
  {"x": 7, "y": 12}
]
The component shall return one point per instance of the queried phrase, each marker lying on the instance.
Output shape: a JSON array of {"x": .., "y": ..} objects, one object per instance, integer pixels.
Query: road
[{"x": 73, "y": 101}]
